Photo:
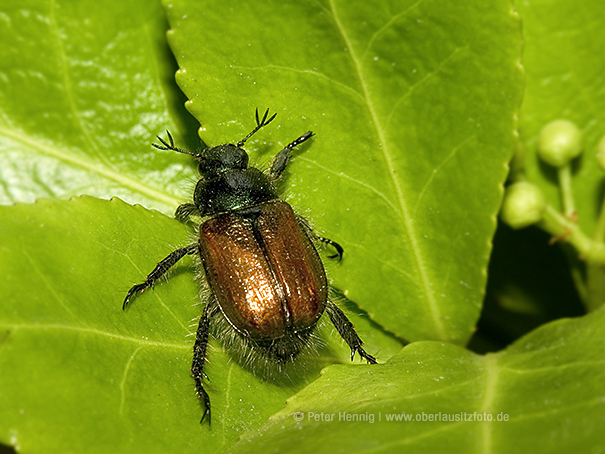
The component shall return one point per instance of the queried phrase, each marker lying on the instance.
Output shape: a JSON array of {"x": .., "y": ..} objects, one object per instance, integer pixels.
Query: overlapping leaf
[
  {"x": 84, "y": 88},
  {"x": 77, "y": 371},
  {"x": 543, "y": 394}
]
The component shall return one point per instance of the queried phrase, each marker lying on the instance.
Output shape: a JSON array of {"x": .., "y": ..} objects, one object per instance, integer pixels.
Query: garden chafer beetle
[{"x": 259, "y": 259}]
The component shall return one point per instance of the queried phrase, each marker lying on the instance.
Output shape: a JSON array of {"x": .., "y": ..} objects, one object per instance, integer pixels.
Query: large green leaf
[
  {"x": 84, "y": 88},
  {"x": 413, "y": 106},
  {"x": 81, "y": 375},
  {"x": 543, "y": 394}
]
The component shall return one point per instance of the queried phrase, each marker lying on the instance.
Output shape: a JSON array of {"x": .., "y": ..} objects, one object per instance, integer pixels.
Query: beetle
[{"x": 265, "y": 275}]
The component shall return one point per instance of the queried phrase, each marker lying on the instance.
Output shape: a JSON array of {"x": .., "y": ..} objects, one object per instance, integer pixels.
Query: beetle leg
[
  {"x": 302, "y": 222},
  {"x": 347, "y": 332},
  {"x": 339, "y": 250},
  {"x": 283, "y": 157},
  {"x": 185, "y": 211},
  {"x": 160, "y": 269},
  {"x": 199, "y": 355}
]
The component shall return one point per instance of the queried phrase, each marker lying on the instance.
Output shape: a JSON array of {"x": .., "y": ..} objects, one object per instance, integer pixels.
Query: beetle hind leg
[
  {"x": 347, "y": 332},
  {"x": 199, "y": 356}
]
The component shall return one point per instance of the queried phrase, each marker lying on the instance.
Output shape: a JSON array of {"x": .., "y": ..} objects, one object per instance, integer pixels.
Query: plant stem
[
  {"x": 564, "y": 229},
  {"x": 599, "y": 234},
  {"x": 569, "y": 207},
  {"x": 595, "y": 295}
]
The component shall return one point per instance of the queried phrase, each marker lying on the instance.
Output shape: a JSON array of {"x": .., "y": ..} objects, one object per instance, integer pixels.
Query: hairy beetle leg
[
  {"x": 185, "y": 211},
  {"x": 304, "y": 224},
  {"x": 347, "y": 332},
  {"x": 159, "y": 270},
  {"x": 199, "y": 356},
  {"x": 339, "y": 250}
]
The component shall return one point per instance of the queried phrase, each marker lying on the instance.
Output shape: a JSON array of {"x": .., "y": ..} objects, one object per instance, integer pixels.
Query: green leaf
[
  {"x": 84, "y": 88},
  {"x": 413, "y": 106},
  {"x": 543, "y": 394},
  {"x": 77, "y": 361}
]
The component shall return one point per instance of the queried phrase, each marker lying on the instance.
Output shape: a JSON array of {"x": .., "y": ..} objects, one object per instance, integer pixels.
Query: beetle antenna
[
  {"x": 259, "y": 124},
  {"x": 170, "y": 146}
]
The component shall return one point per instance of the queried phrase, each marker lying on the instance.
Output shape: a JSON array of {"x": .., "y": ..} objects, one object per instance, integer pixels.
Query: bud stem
[
  {"x": 599, "y": 234},
  {"x": 569, "y": 206},
  {"x": 561, "y": 227}
]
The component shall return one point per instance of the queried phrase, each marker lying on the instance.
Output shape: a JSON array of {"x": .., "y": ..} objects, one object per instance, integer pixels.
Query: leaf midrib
[
  {"x": 50, "y": 326},
  {"x": 405, "y": 215},
  {"x": 70, "y": 158}
]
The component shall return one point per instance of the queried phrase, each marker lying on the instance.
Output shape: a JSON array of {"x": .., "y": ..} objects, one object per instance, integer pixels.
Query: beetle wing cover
[
  {"x": 240, "y": 276},
  {"x": 296, "y": 263},
  {"x": 264, "y": 271}
]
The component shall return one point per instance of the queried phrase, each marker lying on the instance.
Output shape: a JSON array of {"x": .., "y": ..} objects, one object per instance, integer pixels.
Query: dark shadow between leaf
[
  {"x": 529, "y": 284},
  {"x": 175, "y": 98},
  {"x": 7, "y": 449}
]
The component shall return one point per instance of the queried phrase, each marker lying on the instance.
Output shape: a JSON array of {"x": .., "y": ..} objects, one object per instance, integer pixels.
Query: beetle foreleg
[
  {"x": 199, "y": 355},
  {"x": 185, "y": 211},
  {"x": 347, "y": 332},
  {"x": 160, "y": 269},
  {"x": 283, "y": 157}
]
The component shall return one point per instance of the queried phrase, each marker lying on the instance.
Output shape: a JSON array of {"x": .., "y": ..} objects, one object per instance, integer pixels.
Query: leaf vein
[
  {"x": 97, "y": 332},
  {"x": 414, "y": 242},
  {"x": 90, "y": 166},
  {"x": 305, "y": 71},
  {"x": 438, "y": 168},
  {"x": 123, "y": 382},
  {"x": 67, "y": 83},
  {"x": 422, "y": 81},
  {"x": 386, "y": 26}
]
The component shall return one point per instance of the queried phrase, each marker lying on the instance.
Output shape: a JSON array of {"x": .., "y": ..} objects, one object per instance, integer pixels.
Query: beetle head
[{"x": 218, "y": 159}]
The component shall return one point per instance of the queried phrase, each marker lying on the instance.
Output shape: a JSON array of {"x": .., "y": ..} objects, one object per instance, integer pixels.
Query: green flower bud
[
  {"x": 560, "y": 141},
  {"x": 601, "y": 153},
  {"x": 523, "y": 205}
]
